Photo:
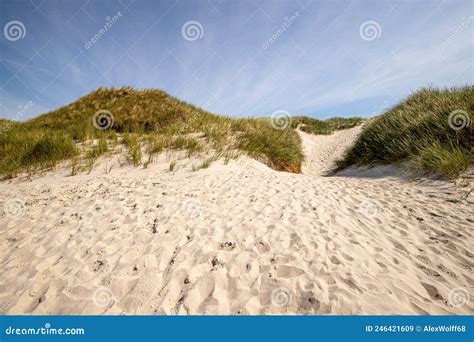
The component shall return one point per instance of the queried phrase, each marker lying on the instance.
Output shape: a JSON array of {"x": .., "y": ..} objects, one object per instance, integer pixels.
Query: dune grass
[
  {"x": 139, "y": 118},
  {"x": 27, "y": 149},
  {"x": 280, "y": 149},
  {"x": 152, "y": 121},
  {"x": 315, "y": 126},
  {"x": 448, "y": 161},
  {"x": 433, "y": 129},
  {"x": 98, "y": 150},
  {"x": 132, "y": 141}
]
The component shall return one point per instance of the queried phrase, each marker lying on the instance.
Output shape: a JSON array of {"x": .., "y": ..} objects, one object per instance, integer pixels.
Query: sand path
[
  {"x": 322, "y": 151},
  {"x": 235, "y": 239}
]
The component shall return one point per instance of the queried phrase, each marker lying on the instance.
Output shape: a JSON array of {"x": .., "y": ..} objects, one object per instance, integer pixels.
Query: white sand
[
  {"x": 322, "y": 151},
  {"x": 236, "y": 239}
]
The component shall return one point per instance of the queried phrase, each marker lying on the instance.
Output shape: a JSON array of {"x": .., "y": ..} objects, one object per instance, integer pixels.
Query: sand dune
[{"x": 236, "y": 239}]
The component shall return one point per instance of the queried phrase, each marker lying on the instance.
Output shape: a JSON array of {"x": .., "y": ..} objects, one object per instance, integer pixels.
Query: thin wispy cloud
[{"x": 248, "y": 58}]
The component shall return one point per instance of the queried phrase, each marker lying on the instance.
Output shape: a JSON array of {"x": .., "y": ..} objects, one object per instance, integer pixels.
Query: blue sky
[{"x": 319, "y": 58}]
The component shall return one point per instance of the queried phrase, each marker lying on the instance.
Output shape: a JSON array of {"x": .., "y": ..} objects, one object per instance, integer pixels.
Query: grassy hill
[
  {"x": 433, "y": 129},
  {"x": 148, "y": 120}
]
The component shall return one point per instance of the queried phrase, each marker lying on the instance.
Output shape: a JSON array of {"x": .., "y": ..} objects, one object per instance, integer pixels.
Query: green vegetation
[
  {"x": 97, "y": 150},
  {"x": 448, "y": 161},
  {"x": 280, "y": 149},
  {"x": 153, "y": 122},
  {"x": 132, "y": 141},
  {"x": 138, "y": 118},
  {"x": 433, "y": 129},
  {"x": 22, "y": 148},
  {"x": 315, "y": 126}
]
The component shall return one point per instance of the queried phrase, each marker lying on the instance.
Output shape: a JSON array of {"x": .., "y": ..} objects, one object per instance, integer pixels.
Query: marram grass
[
  {"x": 148, "y": 118},
  {"x": 433, "y": 128},
  {"x": 421, "y": 129}
]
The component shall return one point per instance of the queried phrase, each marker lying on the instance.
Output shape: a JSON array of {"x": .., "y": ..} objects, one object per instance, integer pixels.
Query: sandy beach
[{"x": 237, "y": 239}]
